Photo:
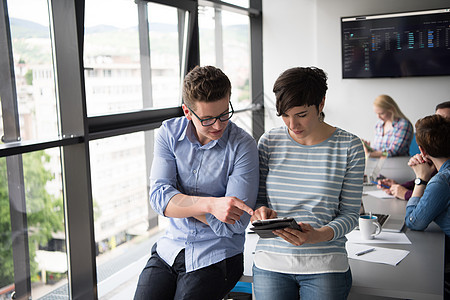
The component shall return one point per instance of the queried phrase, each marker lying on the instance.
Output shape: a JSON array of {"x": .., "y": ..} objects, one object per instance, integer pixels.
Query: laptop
[
  {"x": 389, "y": 223},
  {"x": 392, "y": 167},
  {"x": 373, "y": 172}
]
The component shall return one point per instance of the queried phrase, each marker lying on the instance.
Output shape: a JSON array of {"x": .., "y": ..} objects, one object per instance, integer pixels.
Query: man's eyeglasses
[{"x": 210, "y": 121}]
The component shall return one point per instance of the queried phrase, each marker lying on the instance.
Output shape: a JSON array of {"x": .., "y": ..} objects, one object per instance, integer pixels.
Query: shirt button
[{"x": 195, "y": 171}]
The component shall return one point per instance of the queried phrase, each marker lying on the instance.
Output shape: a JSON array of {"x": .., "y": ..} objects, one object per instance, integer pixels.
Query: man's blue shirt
[
  {"x": 434, "y": 205},
  {"x": 224, "y": 167}
]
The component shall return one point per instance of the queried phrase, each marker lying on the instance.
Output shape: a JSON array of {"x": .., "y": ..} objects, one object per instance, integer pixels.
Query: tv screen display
[{"x": 396, "y": 44}]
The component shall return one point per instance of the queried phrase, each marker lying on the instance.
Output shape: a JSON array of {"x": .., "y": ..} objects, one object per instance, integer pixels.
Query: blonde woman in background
[{"x": 393, "y": 131}]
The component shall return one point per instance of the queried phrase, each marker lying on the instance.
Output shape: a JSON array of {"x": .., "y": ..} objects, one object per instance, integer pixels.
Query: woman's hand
[
  {"x": 263, "y": 213},
  {"x": 308, "y": 235},
  {"x": 367, "y": 148},
  {"x": 398, "y": 191},
  {"x": 386, "y": 182}
]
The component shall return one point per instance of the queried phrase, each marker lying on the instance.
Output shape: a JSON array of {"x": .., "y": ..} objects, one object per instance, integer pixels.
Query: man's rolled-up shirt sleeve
[
  {"x": 242, "y": 184},
  {"x": 421, "y": 211},
  {"x": 163, "y": 179}
]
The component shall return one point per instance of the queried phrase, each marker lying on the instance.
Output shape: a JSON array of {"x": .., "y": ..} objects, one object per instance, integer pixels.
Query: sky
[
  {"x": 123, "y": 14},
  {"x": 119, "y": 13}
]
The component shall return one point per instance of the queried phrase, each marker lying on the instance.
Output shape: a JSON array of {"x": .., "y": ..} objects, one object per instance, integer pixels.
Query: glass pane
[
  {"x": 42, "y": 186},
  {"x": 33, "y": 67},
  {"x": 225, "y": 43},
  {"x": 111, "y": 57},
  {"x": 115, "y": 66},
  {"x": 165, "y": 54},
  {"x": 124, "y": 222}
]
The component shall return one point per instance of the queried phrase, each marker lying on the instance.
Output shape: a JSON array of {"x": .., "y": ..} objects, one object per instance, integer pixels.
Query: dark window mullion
[
  {"x": 67, "y": 31},
  {"x": 192, "y": 56},
  {"x": 257, "y": 86},
  {"x": 14, "y": 165}
]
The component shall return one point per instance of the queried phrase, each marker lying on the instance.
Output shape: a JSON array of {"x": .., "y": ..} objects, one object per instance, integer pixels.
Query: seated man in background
[
  {"x": 204, "y": 178},
  {"x": 404, "y": 191},
  {"x": 430, "y": 199},
  {"x": 443, "y": 109}
]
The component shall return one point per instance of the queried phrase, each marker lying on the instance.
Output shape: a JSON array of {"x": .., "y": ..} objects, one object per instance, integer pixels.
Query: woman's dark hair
[
  {"x": 298, "y": 87},
  {"x": 206, "y": 84},
  {"x": 432, "y": 134}
]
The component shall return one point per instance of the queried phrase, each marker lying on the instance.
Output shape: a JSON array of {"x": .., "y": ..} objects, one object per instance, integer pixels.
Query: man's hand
[
  {"x": 228, "y": 209},
  {"x": 423, "y": 171},
  {"x": 263, "y": 213},
  {"x": 418, "y": 159}
]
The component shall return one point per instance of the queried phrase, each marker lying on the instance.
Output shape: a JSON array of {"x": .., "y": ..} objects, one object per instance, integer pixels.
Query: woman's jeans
[{"x": 269, "y": 285}]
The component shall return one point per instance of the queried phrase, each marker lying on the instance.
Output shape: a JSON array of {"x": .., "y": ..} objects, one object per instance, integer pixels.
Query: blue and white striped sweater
[{"x": 320, "y": 185}]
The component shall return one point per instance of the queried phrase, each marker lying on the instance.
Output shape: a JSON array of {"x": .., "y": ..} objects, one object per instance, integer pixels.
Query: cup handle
[{"x": 378, "y": 231}]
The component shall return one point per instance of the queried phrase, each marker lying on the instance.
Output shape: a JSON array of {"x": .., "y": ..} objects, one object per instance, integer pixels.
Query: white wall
[{"x": 307, "y": 33}]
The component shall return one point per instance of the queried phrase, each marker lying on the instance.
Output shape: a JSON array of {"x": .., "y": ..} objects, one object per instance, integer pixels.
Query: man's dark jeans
[{"x": 160, "y": 281}]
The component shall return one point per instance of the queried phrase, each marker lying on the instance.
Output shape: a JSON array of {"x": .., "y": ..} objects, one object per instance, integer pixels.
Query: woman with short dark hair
[{"x": 313, "y": 172}]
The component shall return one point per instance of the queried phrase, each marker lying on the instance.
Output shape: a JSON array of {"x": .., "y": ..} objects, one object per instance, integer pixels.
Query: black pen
[{"x": 365, "y": 251}]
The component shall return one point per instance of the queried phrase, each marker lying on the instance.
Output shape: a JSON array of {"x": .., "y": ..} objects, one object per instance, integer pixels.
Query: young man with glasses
[{"x": 204, "y": 178}]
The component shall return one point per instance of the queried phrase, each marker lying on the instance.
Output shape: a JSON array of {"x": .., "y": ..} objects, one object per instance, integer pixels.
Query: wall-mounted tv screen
[{"x": 396, "y": 44}]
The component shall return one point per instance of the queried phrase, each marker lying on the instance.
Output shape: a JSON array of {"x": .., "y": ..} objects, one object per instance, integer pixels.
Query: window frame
[{"x": 77, "y": 129}]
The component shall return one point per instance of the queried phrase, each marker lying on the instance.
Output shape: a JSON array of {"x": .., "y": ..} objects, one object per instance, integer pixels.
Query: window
[
  {"x": 111, "y": 57},
  {"x": 225, "y": 43},
  {"x": 77, "y": 143},
  {"x": 126, "y": 69},
  {"x": 34, "y": 70},
  {"x": 32, "y": 202},
  {"x": 39, "y": 247},
  {"x": 125, "y": 225},
  {"x": 165, "y": 48}
]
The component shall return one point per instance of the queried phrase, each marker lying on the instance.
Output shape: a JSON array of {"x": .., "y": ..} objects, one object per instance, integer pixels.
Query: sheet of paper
[
  {"x": 379, "y": 194},
  {"x": 383, "y": 238},
  {"x": 379, "y": 255}
]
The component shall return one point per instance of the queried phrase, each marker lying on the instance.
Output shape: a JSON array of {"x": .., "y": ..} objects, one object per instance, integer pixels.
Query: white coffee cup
[{"x": 369, "y": 226}]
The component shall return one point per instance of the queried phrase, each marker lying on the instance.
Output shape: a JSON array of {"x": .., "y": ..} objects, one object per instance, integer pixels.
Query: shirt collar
[
  {"x": 395, "y": 121},
  {"x": 185, "y": 131},
  {"x": 445, "y": 165},
  {"x": 189, "y": 133}
]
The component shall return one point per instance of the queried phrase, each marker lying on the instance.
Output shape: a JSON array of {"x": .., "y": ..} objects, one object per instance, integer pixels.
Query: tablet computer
[{"x": 264, "y": 228}]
